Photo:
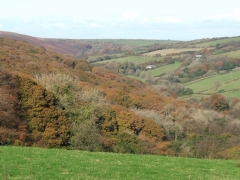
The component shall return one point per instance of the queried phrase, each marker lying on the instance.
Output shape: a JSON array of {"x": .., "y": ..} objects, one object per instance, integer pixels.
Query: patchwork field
[
  {"x": 232, "y": 54},
  {"x": 165, "y": 52},
  {"x": 229, "y": 84},
  {"x": 38, "y": 163}
]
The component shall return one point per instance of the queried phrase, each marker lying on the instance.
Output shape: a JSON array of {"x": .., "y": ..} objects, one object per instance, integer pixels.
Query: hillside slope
[
  {"x": 53, "y": 100},
  {"x": 45, "y": 88},
  {"x": 47, "y": 43}
]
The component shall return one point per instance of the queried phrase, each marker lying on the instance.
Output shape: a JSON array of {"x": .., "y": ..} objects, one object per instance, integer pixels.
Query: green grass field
[
  {"x": 163, "y": 69},
  {"x": 134, "y": 59},
  {"x": 232, "y": 54},
  {"x": 164, "y": 52},
  {"x": 136, "y": 77},
  {"x": 230, "y": 84},
  {"x": 132, "y": 42},
  {"x": 213, "y": 43},
  {"x": 38, "y": 163},
  {"x": 158, "y": 71}
]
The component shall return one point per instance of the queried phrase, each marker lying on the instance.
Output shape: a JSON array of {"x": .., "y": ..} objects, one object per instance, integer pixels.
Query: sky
[{"x": 121, "y": 19}]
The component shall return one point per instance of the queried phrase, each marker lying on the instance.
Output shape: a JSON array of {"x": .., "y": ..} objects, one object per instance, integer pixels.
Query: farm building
[
  {"x": 150, "y": 67},
  {"x": 198, "y": 56}
]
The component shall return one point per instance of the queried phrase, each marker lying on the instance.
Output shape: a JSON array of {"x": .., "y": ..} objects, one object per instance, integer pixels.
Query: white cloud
[
  {"x": 144, "y": 19},
  {"x": 94, "y": 24},
  {"x": 168, "y": 19},
  {"x": 129, "y": 15},
  {"x": 132, "y": 16},
  {"x": 160, "y": 20},
  {"x": 234, "y": 15},
  {"x": 59, "y": 24}
]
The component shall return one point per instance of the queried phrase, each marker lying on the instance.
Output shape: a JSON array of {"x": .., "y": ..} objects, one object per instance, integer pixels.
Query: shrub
[
  {"x": 231, "y": 153},
  {"x": 218, "y": 102},
  {"x": 128, "y": 143}
]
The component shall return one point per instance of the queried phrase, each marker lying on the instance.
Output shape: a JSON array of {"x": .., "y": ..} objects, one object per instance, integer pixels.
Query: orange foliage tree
[
  {"x": 12, "y": 128},
  {"x": 125, "y": 127},
  {"x": 47, "y": 125}
]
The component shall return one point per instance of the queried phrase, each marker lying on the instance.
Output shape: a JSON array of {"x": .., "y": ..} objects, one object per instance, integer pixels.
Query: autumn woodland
[{"x": 62, "y": 99}]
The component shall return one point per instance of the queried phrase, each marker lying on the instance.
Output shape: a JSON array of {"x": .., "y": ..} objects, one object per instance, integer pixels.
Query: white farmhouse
[{"x": 150, "y": 67}]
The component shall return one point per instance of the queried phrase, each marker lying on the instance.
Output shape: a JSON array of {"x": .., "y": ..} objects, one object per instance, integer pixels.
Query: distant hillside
[
  {"x": 214, "y": 41},
  {"x": 90, "y": 49},
  {"x": 58, "y": 45},
  {"x": 133, "y": 42}
]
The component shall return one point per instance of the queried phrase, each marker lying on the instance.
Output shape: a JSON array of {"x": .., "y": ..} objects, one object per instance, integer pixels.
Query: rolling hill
[
  {"x": 62, "y": 46},
  {"x": 87, "y": 47}
]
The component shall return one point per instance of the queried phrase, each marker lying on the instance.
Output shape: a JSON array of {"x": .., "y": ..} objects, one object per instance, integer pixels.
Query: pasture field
[
  {"x": 136, "y": 77},
  {"x": 165, "y": 52},
  {"x": 232, "y": 54},
  {"x": 164, "y": 69},
  {"x": 132, "y": 42},
  {"x": 38, "y": 163},
  {"x": 195, "y": 96},
  {"x": 213, "y": 43},
  {"x": 227, "y": 86},
  {"x": 133, "y": 59},
  {"x": 158, "y": 71},
  {"x": 234, "y": 93},
  {"x": 230, "y": 84},
  {"x": 231, "y": 89}
]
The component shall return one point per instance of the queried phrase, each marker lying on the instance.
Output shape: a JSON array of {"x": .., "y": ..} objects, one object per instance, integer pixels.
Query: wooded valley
[{"x": 58, "y": 100}]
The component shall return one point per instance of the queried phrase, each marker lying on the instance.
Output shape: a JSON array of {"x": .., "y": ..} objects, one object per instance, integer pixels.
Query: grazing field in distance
[
  {"x": 133, "y": 59},
  {"x": 158, "y": 71},
  {"x": 39, "y": 163},
  {"x": 165, "y": 52},
  {"x": 229, "y": 84},
  {"x": 164, "y": 69},
  {"x": 231, "y": 54},
  {"x": 136, "y": 77}
]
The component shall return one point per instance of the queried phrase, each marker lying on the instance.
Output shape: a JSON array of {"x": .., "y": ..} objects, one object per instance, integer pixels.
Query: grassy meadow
[
  {"x": 158, "y": 71},
  {"x": 164, "y": 52},
  {"x": 136, "y": 77},
  {"x": 229, "y": 84},
  {"x": 38, "y": 163},
  {"x": 163, "y": 69},
  {"x": 232, "y": 54},
  {"x": 133, "y": 59}
]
